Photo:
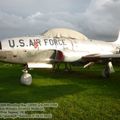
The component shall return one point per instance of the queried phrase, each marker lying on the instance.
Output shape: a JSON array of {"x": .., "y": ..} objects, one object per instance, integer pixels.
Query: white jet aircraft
[{"x": 45, "y": 50}]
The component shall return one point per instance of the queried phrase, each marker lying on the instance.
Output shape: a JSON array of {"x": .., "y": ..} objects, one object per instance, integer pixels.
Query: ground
[{"x": 81, "y": 94}]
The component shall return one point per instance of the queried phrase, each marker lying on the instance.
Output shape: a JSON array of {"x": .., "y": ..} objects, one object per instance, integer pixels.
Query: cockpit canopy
[{"x": 66, "y": 33}]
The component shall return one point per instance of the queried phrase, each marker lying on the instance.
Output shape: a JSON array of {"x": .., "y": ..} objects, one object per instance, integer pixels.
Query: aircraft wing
[
  {"x": 111, "y": 56},
  {"x": 97, "y": 57},
  {"x": 71, "y": 56}
]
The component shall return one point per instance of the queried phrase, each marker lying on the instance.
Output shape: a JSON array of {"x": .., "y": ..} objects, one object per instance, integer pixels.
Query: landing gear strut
[
  {"x": 67, "y": 67},
  {"x": 26, "y": 78},
  {"x": 108, "y": 70}
]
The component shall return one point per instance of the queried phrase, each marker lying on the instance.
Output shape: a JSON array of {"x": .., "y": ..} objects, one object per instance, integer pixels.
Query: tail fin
[{"x": 118, "y": 39}]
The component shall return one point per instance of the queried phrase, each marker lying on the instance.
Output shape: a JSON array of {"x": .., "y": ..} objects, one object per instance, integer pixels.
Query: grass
[{"x": 81, "y": 94}]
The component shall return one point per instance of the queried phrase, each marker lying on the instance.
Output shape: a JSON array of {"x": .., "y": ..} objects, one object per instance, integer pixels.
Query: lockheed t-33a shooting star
[{"x": 55, "y": 46}]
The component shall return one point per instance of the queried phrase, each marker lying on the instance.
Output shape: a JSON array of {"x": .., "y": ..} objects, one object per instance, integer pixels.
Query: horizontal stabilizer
[{"x": 118, "y": 39}]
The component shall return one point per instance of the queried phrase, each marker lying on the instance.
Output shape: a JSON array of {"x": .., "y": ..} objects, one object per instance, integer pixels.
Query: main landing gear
[
  {"x": 108, "y": 70},
  {"x": 26, "y": 78},
  {"x": 66, "y": 66}
]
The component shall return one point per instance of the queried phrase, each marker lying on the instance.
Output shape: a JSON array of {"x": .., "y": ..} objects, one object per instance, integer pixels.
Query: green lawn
[{"x": 81, "y": 95}]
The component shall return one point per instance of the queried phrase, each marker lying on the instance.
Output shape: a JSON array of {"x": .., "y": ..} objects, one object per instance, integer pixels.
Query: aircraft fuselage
[{"x": 41, "y": 49}]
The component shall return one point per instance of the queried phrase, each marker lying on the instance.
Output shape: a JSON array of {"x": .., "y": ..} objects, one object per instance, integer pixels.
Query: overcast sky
[{"x": 97, "y": 19}]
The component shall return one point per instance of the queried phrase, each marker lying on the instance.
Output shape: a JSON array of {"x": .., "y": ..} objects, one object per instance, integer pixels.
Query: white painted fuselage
[{"x": 41, "y": 49}]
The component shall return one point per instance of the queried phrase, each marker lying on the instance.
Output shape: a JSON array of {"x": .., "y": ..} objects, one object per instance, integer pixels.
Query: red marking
[
  {"x": 36, "y": 43},
  {"x": 60, "y": 56}
]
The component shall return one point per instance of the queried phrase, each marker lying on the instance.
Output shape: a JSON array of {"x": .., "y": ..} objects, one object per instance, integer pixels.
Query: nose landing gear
[{"x": 26, "y": 78}]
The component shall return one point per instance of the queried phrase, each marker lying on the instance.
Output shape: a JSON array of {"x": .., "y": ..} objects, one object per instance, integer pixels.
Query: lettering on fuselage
[
  {"x": 36, "y": 43},
  {"x": 54, "y": 42},
  {"x": 11, "y": 43}
]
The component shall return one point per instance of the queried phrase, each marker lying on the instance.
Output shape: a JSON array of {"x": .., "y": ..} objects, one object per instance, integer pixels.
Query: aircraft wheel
[
  {"x": 106, "y": 72},
  {"x": 26, "y": 78}
]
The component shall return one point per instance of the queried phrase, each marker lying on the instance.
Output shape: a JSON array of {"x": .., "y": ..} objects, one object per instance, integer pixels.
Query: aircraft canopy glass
[{"x": 63, "y": 32}]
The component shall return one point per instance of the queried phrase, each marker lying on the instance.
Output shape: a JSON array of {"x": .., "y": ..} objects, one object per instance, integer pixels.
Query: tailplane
[{"x": 118, "y": 39}]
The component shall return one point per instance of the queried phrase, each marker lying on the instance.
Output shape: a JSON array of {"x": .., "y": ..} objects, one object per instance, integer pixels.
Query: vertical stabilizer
[{"x": 118, "y": 39}]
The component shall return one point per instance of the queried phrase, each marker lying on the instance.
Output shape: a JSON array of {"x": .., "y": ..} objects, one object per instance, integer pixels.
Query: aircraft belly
[
  {"x": 39, "y": 56},
  {"x": 24, "y": 57},
  {"x": 34, "y": 56}
]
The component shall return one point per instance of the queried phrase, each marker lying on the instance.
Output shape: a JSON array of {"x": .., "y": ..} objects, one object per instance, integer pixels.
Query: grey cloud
[
  {"x": 28, "y": 7},
  {"x": 99, "y": 19},
  {"x": 102, "y": 19},
  {"x": 33, "y": 24}
]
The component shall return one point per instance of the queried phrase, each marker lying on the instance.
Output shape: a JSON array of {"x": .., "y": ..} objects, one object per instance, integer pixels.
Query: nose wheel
[{"x": 26, "y": 78}]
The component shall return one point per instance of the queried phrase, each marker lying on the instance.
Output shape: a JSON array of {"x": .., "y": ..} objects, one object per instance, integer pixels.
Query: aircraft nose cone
[{"x": 2, "y": 54}]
